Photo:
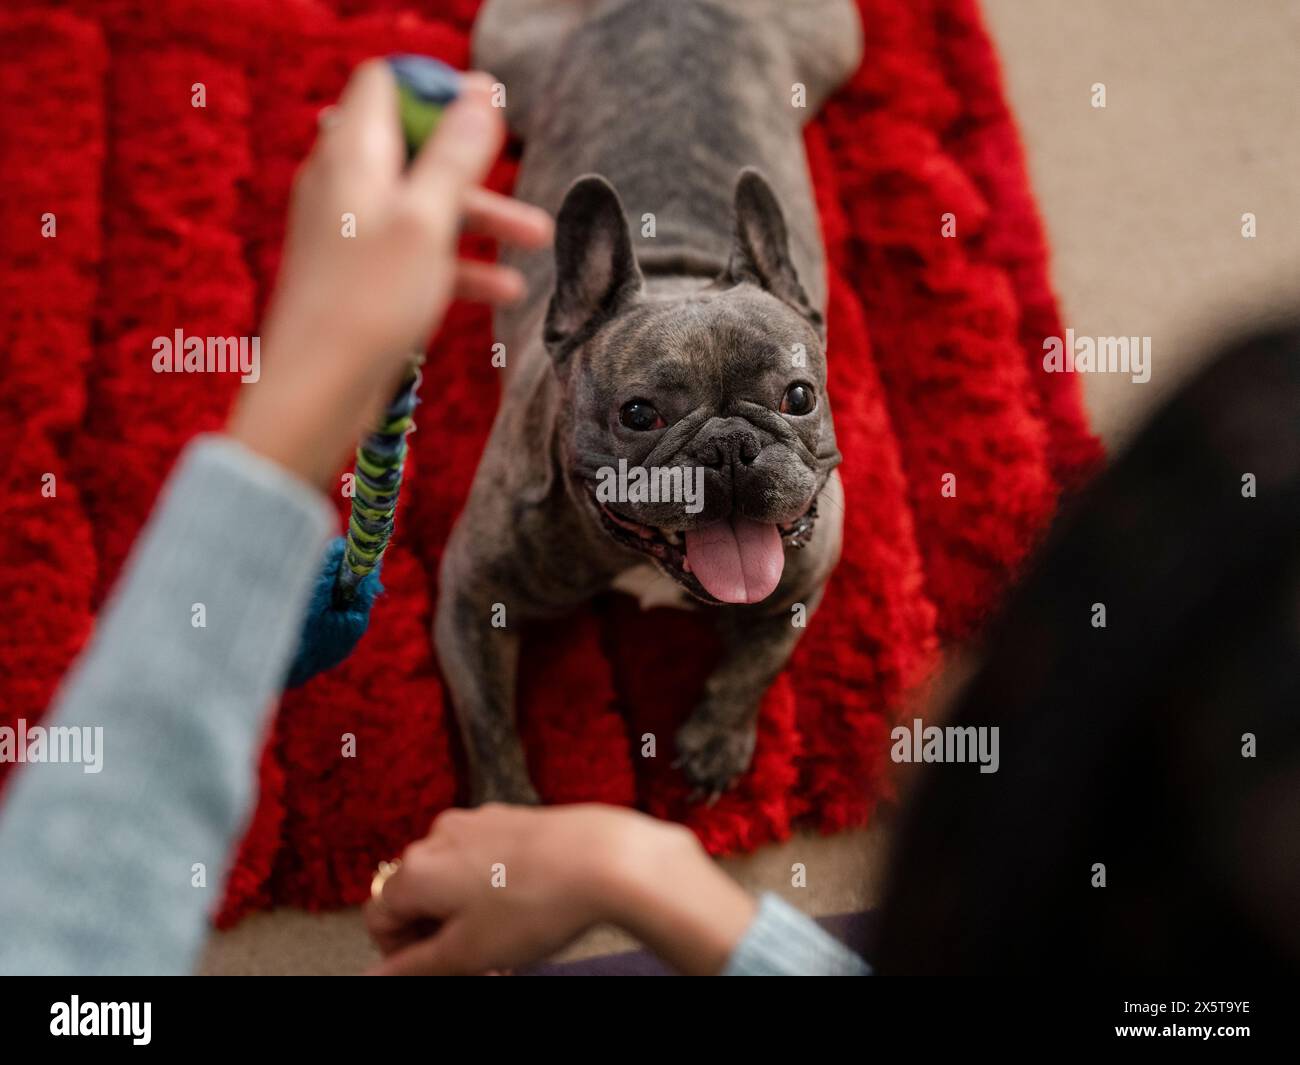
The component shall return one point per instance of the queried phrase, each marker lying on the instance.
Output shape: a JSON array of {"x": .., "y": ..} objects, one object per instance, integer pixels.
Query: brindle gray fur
[{"x": 670, "y": 101}]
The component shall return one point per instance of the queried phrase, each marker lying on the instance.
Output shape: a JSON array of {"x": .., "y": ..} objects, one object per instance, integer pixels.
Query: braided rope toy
[{"x": 339, "y": 611}]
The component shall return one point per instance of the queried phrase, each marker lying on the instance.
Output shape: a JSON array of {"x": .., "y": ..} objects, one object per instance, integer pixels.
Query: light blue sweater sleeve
[
  {"x": 781, "y": 941},
  {"x": 115, "y": 868}
]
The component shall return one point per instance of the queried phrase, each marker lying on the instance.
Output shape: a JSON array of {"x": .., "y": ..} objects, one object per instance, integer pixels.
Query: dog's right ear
[{"x": 596, "y": 272}]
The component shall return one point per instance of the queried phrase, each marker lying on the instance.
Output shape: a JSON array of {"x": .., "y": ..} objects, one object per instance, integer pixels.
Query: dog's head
[{"x": 698, "y": 426}]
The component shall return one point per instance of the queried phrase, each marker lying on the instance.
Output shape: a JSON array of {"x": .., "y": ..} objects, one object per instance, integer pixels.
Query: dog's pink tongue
[{"x": 737, "y": 560}]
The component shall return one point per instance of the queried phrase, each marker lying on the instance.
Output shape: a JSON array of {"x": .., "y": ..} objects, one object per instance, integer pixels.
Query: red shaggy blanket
[{"x": 170, "y": 216}]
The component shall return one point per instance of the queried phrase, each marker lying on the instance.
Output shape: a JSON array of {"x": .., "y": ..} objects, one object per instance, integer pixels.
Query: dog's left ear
[{"x": 760, "y": 252}]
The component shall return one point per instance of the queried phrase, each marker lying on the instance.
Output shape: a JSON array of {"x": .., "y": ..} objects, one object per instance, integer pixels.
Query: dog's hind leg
[
  {"x": 824, "y": 39},
  {"x": 517, "y": 41}
]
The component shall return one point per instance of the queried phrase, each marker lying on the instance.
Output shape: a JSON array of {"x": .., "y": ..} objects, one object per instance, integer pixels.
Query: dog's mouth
[{"x": 735, "y": 560}]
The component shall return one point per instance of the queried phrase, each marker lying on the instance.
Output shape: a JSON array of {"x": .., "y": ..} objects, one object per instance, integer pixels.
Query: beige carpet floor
[{"x": 1143, "y": 202}]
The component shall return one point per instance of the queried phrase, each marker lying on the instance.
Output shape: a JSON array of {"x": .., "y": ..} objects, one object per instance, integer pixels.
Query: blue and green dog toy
[{"x": 345, "y": 591}]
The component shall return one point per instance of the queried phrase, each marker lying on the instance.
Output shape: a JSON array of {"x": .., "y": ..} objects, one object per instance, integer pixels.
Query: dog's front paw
[
  {"x": 713, "y": 753},
  {"x": 514, "y": 791}
]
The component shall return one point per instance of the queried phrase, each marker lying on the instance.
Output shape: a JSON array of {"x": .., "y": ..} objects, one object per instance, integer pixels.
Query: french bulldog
[{"x": 673, "y": 337}]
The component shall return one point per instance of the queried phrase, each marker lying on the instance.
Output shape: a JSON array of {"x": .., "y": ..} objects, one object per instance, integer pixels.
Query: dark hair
[{"x": 1125, "y": 745}]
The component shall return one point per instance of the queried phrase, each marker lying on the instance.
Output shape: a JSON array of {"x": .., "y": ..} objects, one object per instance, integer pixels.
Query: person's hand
[
  {"x": 502, "y": 886},
  {"x": 370, "y": 266}
]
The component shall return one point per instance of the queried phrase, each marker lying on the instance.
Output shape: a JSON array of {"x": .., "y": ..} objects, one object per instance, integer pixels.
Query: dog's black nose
[{"x": 726, "y": 442}]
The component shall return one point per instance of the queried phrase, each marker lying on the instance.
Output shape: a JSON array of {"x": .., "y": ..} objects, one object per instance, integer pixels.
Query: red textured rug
[{"x": 170, "y": 216}]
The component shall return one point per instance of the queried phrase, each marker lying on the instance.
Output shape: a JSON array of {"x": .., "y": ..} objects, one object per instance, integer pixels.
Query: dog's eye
[
  {"x": 640, "y": 416},
  {"x": 798, "y": 399}
]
